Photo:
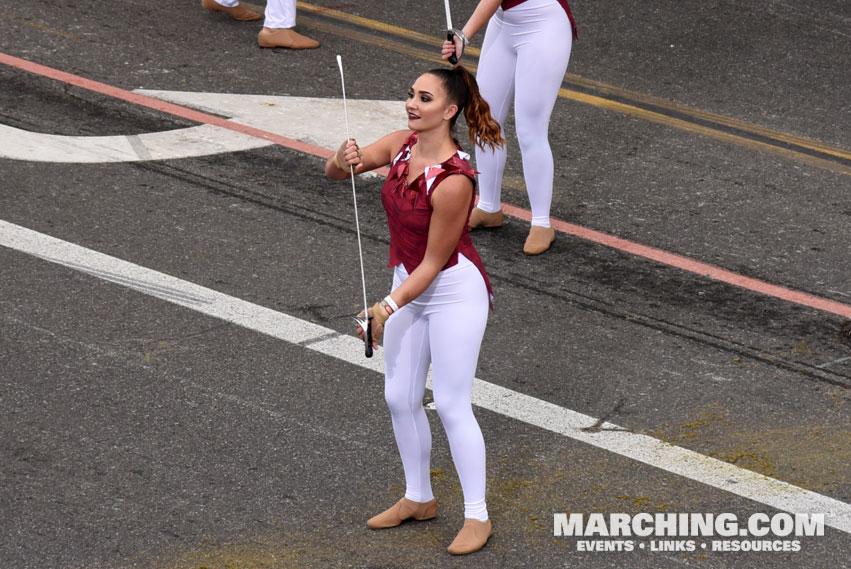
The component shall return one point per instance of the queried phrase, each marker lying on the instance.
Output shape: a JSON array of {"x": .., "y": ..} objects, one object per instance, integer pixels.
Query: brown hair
[{"x": 462, "y": 89}]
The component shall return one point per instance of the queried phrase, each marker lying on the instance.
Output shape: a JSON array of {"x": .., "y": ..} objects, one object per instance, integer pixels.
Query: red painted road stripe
[
  {"x": 691, "y": 265},
  {"x": 163, "y": 106},
  {"x": 658, "y": 255}
]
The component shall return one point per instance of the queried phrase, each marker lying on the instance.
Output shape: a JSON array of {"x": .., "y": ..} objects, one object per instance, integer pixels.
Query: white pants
[
  {"x": 524, "y": 57},
  {"x": 443, "y": 327},
  {"x": 279, "y": 13}
]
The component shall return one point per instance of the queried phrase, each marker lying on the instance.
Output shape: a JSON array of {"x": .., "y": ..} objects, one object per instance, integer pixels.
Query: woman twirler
[
  {"x": 438, "y": 307},
  {"x": 524, "y": 57}
]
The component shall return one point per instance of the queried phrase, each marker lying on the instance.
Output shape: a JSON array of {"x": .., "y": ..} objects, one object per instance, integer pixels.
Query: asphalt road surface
[{"x": 179, "y": 385}]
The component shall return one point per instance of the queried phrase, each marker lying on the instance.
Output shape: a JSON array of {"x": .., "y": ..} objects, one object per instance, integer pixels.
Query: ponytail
[{"x": 463, "y": 90}]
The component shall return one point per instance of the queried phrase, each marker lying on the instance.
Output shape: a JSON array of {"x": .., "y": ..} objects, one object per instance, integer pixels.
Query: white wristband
[{"x": 389, "y": 300}]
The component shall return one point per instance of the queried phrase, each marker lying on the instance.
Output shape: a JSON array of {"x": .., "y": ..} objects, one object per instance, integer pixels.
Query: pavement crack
[
  {"x": 736, "y": 349},
  {"x": 597, "y": 427},
  {"x": 318, "y": 339}
]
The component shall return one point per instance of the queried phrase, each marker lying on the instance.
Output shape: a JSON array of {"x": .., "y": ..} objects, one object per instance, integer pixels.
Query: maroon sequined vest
[{"x": 409, "y": 210}]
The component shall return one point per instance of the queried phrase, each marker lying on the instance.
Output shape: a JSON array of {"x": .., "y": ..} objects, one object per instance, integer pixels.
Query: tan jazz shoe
[
  {"x": 483, "y": 219},
  {"x": 403, "y": 510},
  {"x": 540, "y": 239},
  {"x": 284, "y": 37},
  {"x": 472, "y": 537},
  {"x": 236, "y": 12}
]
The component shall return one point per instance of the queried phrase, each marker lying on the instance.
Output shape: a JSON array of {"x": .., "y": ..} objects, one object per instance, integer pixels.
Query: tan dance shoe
[
  {"x": 472, "y": 537},
  {"x": 403, "y": 510},
  {"x": 539, "y": 240},
  {"x": 285, "y": 37},
  {"x": 237, "y": 12},
  {"x": 483, "y": 219}
]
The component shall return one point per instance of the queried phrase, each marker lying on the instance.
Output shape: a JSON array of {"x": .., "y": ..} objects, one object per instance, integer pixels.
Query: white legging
[
  {"x": 443, "y": 327},
  {"x": 524, "y": 57},
  {"x": 279, "y": 13}
]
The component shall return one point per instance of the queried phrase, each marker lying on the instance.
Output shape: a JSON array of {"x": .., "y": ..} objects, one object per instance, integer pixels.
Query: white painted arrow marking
[
  {"x": 19, "y": 144},
  {"x": 307, "y": 119}
]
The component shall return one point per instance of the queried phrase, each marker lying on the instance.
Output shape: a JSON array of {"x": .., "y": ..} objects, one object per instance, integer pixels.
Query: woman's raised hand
[{"x": 449, "y": 47}]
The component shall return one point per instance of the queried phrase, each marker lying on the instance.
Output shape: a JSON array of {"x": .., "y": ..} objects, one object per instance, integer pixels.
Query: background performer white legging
[
  {"x": 444, "y": 326},
  {"x": 524, "y": 57},
  {"x": 279, "y": 13},
  {"x": 278, "y": 26}
]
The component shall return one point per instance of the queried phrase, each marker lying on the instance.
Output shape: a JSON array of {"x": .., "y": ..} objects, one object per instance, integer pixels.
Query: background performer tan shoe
[
  {"x": 403, "y": 510},
  {"x": 472, "y": 537},
  {"x": 483, "y": 219},
  {"x": 237, "y": 12},
  {"x": 285, "y": 37},
  {"x": 540, "y": 239}
]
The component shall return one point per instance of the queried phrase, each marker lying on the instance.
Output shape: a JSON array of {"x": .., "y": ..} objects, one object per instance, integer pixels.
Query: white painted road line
[
  {"x": 314, "y": 120},
  {"x": 688, "y": 464},
  {"x": 18, "y": 144},
  {"x": 311, "y": 120}
]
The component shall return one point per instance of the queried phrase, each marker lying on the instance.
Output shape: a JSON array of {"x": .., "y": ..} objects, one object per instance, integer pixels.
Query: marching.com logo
[{"x": 759, "y": 532}]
